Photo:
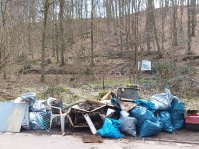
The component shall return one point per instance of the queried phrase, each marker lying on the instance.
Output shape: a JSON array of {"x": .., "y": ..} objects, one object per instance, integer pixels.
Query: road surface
[{"x": 57, "y": 141}]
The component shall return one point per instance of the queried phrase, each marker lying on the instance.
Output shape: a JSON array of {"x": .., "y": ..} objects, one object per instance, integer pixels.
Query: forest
[{"x": 54, "y": 46}]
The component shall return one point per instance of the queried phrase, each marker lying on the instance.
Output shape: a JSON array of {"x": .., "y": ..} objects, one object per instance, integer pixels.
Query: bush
[{"x": 103, "y": 93}]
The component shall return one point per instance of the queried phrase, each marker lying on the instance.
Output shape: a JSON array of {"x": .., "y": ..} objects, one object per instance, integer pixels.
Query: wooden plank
[{"x": 92, "y": 139}]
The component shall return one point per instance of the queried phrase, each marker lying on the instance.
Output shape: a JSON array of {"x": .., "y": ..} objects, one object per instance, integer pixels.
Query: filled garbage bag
[
  {"x": 165, "y": 118},
  {"x": 115, "y": 102},
  {"x": 110, "y": 129},
  {"x": 34, "y": 104},
  {"x": 149, "y": 128},
  {"x": 142, "y": 114},
  {"x": 34, "y": 121},
  {"x": 29, "y": 97},
  {"x": 128, "y": 124},
  {"x": 162, "y": 101},
  {"x": 177, "y": 114},
  {"x": 38, "y": 106},
  {"x": 146, "y": 103},
  {"x": 40, "y": 120}
]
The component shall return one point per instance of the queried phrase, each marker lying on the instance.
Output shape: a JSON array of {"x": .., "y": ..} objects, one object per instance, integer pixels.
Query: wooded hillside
[{"x": 101, "y": 39}]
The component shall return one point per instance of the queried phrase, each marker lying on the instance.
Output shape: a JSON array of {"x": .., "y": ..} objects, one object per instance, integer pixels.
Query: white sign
[{"x": 146, "y": 65}]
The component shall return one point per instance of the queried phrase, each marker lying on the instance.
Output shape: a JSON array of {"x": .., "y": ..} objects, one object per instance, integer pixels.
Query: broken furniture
[
  {"x": 88, "y": 114},
  {"x": 57, "y": 111}
]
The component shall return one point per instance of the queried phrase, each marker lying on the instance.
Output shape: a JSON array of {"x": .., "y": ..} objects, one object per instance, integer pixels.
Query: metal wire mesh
[{"x": 43, "y": 119}]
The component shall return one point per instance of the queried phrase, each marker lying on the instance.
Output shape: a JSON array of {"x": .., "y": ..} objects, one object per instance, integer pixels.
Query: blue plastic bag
[
  {"x": 115, "y": 102},
  {"x": 149, "y": 128},
  {"x": 142, "y": 114},
  {"x": 177, "y": 114},
  {"x": 110, "y": 129},
  {"x": 146, "y": 103},
  {"x": 165, "y": 118}
]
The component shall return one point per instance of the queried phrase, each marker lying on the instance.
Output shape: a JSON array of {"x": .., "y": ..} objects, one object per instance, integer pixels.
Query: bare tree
[
  {"x": 174, "y": 30},
  {"x": 46, "y": 6},
  {"x": 92, "y": 30},
  {"x": 193, "y": 17},
  {"x": 149, "y": 23},
  {"x": 61, "y": 31},
  {"x": 3, "y": 57},
  {"x": 120, "y": 25},
  {"x": 188, "y": 28}
]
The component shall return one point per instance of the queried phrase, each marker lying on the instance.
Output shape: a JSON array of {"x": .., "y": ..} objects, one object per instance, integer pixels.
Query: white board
[
  {"x": 90, "y": 124},
  {"x": 146, "y": 65},
  {"x": 11, "y": 116}
]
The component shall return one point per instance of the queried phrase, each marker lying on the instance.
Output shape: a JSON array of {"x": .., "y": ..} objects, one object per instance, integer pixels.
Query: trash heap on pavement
[
  {"x": 162, "y": 112},
  {"x": 37, "y": 115},
  {"x": 115, "y": 116}
]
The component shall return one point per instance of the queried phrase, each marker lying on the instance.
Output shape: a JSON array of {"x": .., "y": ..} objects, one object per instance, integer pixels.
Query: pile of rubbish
[
  {"x": 112, "y": 117},
  {"x": 162, "y": 112}
]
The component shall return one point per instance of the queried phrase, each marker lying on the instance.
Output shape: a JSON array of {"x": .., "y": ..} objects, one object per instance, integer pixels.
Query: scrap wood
[
  {"x": 95, "y": 101},
  {"x": 73, "y": 104},
  {"x": 92, "y": 139},
  {"x": 126, "y": 106}
]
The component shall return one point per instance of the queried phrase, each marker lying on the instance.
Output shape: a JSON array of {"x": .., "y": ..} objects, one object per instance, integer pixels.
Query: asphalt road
[{"x": 57, "y": 141}]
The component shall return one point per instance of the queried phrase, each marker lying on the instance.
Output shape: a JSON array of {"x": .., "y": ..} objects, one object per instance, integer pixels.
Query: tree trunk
[
  {"x": 108, "y": 14},
  {"x": 188, "y": 28},
  {"x": 155, "y": 31},
  {"x": 149, "y": 23},
  {"x": 92, "y": 37},
  {"x": 62, "y": 32},
  {"x": 181, "y": 14},
  {"x": 3, "y": 57},
  {"x": 53, "y": 31},
  {"x": 29, "y": 26},
  {"x": 57, "y": 43},
  {"x": 193, "y": 17},
  {"x": 174, "y": 30},
  {"x": 86, "y": 7},
  {"x": 120, "y": 26},
  {"x": 46, "y": 6},
  {"x": 163, "y": 24}
]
